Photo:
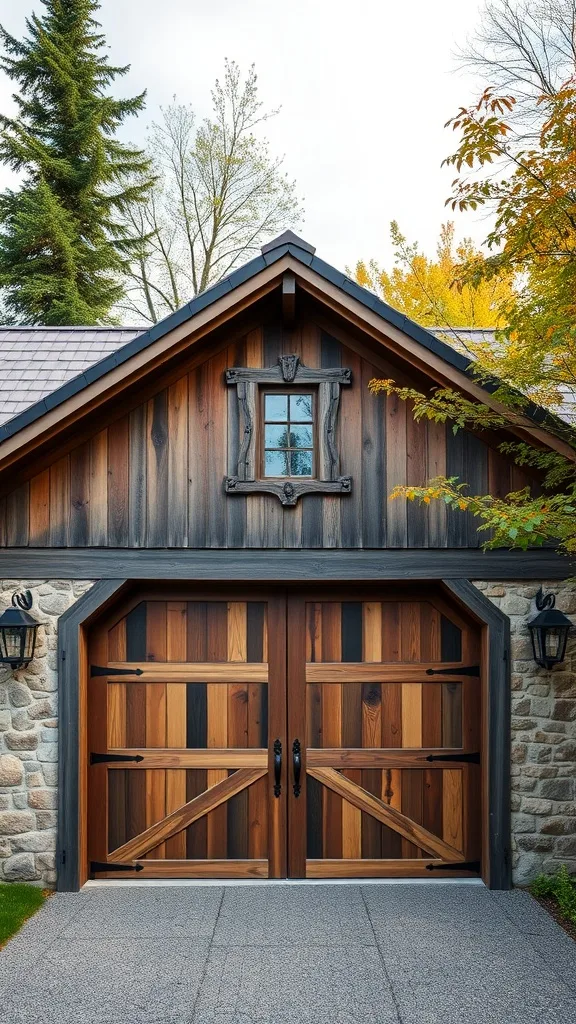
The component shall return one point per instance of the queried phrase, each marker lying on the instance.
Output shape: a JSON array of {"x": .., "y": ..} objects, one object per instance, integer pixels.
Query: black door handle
[
  {"x": 297, "y": 766},
  {"x": 277, "y": 767}
]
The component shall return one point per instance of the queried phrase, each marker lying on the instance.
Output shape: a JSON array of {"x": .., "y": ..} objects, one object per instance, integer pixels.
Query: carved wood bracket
[{"x": 288, "y": 370}]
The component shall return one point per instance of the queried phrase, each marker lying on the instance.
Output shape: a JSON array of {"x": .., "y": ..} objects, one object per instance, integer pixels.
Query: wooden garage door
[
  {"x": 385, "y": 706},
  {"x": 186, "y": 700}
]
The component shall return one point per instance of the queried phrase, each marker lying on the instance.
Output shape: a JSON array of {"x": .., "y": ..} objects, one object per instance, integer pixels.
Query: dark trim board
[
  {"x": 281, "y": 565},
  {"x": 497, "y": 727},
  {"x": 69, "y": 626}
]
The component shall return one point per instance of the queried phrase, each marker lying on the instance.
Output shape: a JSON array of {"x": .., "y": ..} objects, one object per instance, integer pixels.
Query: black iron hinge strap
[
  {"x": 102, "y": 670},
  {"x": 466, "y": 865},
  {"x": 469, "y": 758},
  {"x": 467, "y": 670},
  {"x": 101, "y": 865},
  {"x": 103, "y": 758}
]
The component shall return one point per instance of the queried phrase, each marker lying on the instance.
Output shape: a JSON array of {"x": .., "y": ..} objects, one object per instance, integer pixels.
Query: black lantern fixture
[
  {"x": 18, "y": 632},
  {"x": 548, "y": 630}
]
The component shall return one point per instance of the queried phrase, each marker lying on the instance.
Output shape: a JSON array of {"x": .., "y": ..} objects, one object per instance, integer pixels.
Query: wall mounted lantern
[
  {"x": 549, "y": 630},
  {"x": 18, "y": 632}
]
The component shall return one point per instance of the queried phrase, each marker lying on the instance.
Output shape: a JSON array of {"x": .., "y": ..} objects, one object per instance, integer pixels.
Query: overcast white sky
[{"x": 365, "y": 90}]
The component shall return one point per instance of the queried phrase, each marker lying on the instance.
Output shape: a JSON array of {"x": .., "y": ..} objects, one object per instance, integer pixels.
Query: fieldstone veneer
[
  {"x": 543, "y": 738},
  {"x": 28, "y": 739}
]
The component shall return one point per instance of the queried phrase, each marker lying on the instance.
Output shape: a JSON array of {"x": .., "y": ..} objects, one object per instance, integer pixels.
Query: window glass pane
[
  {"x": 301, "y": 408},
  {"x": 301, "y": 463},
  {"x": 276, "y": 463},
  {"x": 276, "y": 436},
  {"x": 276, "y": 407},
  {"x": 300, "y": 437}
]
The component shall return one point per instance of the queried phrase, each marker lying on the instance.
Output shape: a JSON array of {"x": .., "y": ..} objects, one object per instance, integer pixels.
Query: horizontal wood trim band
[
  {"x": 388, "y": 815},
  {"x": 193, "y": 869},
  {"x": 186, "y": 815},
  {"x": 312, "y": 564},
  {"x": 379, "y": 869},
  {"x": 166, "y": 758},
  {"x": 191, "y": 672},
  {"x": 377, "y": 758},
  {"x": 376, "y": 672}
]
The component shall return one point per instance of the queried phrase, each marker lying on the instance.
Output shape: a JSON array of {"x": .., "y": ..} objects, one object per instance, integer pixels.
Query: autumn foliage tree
[
  {"x": 431, "y": 291},
  {"x": 531, "y": 192}
]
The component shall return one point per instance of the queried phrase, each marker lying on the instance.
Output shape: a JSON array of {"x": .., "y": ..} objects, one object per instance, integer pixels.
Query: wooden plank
[
  {"x": 452, "y": 808},
  {"x": 312, "y": 505},
  {"x": 255, "y": 505},
  {"x": 189, "y": 672},
  {"x": 217, "y": 450},
  {"x": 184, "y": 816},
  {"x": 118, "y": 483},
  {"x": 98, "y": 509},
  {"x": 412, "y": 714},
  {"x": 277, "y": 711},
  {"x": 156, "y": 715},
  {"x": 217, "y": 722},
  {"x": 263, "y": 566},
  {"x": 373, "y": 463},
  {"x": 79, "y": 530},
  {"x": 396, "y": 512},
  {"x": 176, "y": 717},
  {"x": 150, "y": 868},
  {"x": 364, "y": 672},
  {"x": 416, "y": 473},
  {"x": 332, "y": 724},
  {"x": 363, "y": 757},
  {"x": 171, "y": 757},
  {"x": 402, "y": 868},
  {"x": 157, "y": 470},
  {"x": 437, "y": 532},
  {"x": 198, "y": 464},
  {"x": 178, "y": 464},
  {"x": 137, "y": 514},
  {"x": 386, "y": 814},
  {"x": 59, "y": 502},
  {"x": 237, "y": 831},
  {"x": 40, "y": 509}
]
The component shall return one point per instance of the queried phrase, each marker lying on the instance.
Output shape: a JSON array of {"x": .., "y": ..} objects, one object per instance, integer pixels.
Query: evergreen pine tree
[{"x": 63, "y": 242}]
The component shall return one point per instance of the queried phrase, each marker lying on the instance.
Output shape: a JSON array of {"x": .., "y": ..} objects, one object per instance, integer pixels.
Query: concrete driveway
[{"x": 321, "y": 954}]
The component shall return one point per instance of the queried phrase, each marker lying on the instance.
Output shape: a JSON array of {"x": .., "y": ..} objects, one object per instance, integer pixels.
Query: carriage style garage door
[{"x": 281, "y": 734}]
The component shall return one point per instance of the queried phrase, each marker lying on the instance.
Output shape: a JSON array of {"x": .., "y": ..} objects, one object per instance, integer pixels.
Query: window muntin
[{"x": 288, "y": 434}]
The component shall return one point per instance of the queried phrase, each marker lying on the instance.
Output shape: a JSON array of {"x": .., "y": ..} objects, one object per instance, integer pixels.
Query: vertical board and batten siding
[{"x": 154, "y": 477}]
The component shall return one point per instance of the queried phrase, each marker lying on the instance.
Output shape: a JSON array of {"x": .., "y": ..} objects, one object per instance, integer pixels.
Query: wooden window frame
[
  {"x": 287, "y": 390},
  {"x": 289, "y": 370}
]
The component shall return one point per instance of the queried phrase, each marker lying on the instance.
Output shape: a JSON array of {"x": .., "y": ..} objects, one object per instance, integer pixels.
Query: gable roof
[
  {"x": 119, "y": 345},
  {"x": 286, "y": 244}
]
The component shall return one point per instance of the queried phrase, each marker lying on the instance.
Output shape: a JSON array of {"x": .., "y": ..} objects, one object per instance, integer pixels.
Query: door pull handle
[
  {"x": 277, "y": 768},
  {"x": 297, "y": 766}
]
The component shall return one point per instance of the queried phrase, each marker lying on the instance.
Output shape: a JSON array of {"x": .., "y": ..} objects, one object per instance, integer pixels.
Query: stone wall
[
  {"x": 28, "y": 740},
  {"x": 543, "y": 739}
]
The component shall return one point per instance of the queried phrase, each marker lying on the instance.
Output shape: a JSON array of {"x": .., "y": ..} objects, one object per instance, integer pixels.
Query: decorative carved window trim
[{"x": 288, "y": 370}]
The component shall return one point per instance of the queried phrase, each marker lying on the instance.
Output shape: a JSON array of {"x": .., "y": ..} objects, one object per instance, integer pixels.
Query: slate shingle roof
[{"x": 34, "y": 361}]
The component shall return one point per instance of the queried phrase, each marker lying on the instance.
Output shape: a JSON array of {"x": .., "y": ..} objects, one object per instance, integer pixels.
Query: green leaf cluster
[
  {"x": 561, "y": 888},
  {"x": 64, "y": 245}
]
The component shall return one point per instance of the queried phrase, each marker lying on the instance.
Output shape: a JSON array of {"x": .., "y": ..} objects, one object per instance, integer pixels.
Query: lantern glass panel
[{"x": 11, "y": 643}]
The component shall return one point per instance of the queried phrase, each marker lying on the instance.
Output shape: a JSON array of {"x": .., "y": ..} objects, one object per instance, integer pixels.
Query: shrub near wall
[
  {"x": 543, "y": 739},
  {"x": 28, "y": 740}
]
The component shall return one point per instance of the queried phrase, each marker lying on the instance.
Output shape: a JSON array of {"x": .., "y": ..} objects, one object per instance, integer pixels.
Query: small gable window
[
  {"x": 284, "y": 440},
  {"x": 289, "y": 434}
]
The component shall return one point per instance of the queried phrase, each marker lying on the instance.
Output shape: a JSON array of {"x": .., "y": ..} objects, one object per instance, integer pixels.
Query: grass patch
[
  {"x": 17, "y": 903},
  {"x": 558, "y": 894}
]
